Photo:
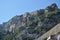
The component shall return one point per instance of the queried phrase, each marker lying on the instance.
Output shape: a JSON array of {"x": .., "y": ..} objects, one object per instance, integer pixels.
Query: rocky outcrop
[{"x": 34, "y": 24}]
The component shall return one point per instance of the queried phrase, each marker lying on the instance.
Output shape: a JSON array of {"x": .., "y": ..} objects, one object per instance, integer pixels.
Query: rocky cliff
[{"x": 30, "y": 26}]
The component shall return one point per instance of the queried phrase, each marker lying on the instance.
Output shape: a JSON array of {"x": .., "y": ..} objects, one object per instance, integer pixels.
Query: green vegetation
[
  {"x": 31, "y": 25},
  {"x": 45, "y": 39}
]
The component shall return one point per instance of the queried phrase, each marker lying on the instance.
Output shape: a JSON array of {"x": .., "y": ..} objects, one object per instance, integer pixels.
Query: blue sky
[{"x": 10, "y": 8}]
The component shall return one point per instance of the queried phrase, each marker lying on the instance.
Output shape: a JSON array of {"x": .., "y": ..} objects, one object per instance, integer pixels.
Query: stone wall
[{"x": 53, "y": 31}]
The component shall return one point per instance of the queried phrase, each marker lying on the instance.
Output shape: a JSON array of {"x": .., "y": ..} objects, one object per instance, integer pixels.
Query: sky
[{"x": 11, "y": 8}]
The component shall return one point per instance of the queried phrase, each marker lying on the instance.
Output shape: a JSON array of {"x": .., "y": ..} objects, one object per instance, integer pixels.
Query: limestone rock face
[
  {"x": 52, "y": 7},
  {"x": 34, "y": 24}
]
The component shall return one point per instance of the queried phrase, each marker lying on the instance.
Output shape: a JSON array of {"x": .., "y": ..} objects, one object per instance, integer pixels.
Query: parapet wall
[{"x": 53, "y": 31}]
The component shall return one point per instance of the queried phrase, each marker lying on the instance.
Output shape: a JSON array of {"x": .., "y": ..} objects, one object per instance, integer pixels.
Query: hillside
[{"x": 30, "y": 26}]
